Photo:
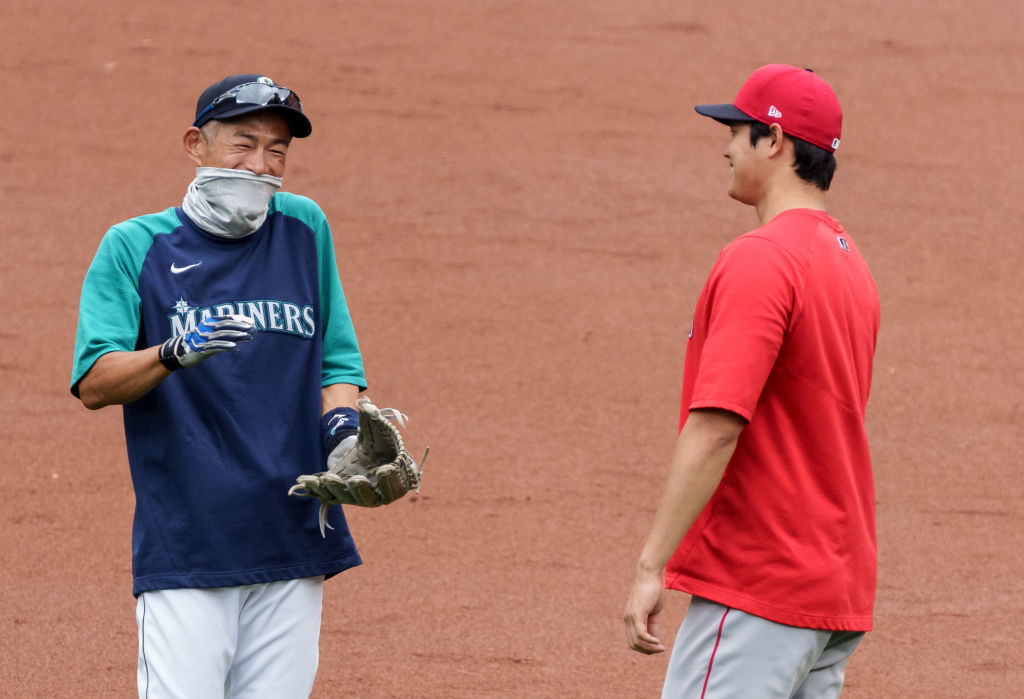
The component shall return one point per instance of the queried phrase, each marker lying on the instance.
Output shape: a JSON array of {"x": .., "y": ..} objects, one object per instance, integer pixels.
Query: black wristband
[
  {"x": 168, "y": 356},
  {"x": 336, "y": 425}
]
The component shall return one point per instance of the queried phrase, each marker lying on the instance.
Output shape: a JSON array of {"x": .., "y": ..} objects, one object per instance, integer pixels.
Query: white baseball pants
[{"x": 230, "y": 642}]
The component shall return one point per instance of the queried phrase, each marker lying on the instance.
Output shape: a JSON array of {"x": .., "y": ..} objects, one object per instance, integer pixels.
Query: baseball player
[
  {"x": 767, "y": 518},
  {"x": 222, "y": 328}
]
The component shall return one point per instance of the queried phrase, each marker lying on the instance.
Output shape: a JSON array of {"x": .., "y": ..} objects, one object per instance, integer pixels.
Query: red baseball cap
[{"x": 794, "y": 98}]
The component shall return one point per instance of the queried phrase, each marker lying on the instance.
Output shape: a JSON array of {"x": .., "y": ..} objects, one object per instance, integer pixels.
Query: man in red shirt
[{"x": 768, "y": 518}]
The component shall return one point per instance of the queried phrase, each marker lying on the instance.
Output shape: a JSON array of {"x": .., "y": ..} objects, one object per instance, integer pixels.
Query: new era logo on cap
[{"x": 774, "y": 113}]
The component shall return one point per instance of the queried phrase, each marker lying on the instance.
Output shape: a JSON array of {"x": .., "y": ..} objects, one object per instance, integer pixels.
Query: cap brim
[
  {"x": 298, "y": 123},
  {"x": 724, "y": 113}
]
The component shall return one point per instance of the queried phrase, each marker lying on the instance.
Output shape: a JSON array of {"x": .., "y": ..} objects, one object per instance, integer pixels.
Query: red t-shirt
[{"x": 784, "y": 334}]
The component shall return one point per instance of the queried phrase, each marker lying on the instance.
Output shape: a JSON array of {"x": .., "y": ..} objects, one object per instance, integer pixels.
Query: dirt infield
[{"x": 525, "y": 207}]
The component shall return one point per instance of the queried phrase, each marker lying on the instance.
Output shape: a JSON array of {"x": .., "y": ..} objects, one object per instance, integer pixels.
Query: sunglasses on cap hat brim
[{"x": 248, "y": 97}]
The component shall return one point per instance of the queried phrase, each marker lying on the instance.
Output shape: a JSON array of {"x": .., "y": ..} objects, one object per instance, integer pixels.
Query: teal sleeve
[
  {"x": 108, "y": 314},
  {"x": 342, "y": 361}
]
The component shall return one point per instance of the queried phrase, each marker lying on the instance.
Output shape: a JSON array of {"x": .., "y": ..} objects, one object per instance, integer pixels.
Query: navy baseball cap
[
  {"x": 250, "y": 92},
  {"x": 795, "y": 98}
]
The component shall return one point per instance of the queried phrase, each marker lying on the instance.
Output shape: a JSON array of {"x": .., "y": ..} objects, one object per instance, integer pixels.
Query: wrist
[
  {"x": 648, "y": 567},
  {"x": 168, "y": 354},
  {"x": 336, "y": 425}
]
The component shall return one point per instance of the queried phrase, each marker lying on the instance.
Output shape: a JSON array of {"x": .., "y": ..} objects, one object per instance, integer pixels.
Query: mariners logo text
[{"x": 274, "y": 316}]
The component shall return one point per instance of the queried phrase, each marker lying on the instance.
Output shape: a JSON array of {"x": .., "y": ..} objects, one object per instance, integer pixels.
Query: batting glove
[{"x": 212, "y": 335}]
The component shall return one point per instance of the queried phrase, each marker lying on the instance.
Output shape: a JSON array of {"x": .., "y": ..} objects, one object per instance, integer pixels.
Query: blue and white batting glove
[{"x": 212, "y": 335}]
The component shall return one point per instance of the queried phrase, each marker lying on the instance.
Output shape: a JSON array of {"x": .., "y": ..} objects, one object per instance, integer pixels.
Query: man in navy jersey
[{"x": 221, "y": 327}]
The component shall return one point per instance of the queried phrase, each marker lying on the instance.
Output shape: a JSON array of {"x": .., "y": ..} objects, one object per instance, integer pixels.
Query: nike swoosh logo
[{"x": 178, "y": 270}]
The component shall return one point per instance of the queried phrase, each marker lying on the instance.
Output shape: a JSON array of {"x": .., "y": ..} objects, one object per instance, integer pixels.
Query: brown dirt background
[{"x": 525, "y": 207}]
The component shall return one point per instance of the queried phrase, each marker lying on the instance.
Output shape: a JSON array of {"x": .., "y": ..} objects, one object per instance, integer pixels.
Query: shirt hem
[
  {"x": 736, "y": 408},
  {"x": 250, "y": 577},
  {"x": 351, "y": 379},
  {"x": 789, "y": 617}
]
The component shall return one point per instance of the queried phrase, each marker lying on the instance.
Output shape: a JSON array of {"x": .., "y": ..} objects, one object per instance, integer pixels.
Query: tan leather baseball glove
[{"x": 375, "y": 470}]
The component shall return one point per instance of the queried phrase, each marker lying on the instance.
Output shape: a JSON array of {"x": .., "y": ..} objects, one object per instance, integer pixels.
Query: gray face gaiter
[{"x": 229, "y": 203}]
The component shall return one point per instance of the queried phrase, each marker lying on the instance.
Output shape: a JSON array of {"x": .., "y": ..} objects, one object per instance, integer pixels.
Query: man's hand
[
  {"x": 212, "y": 335},
  {"x": 643, "y": 608}
]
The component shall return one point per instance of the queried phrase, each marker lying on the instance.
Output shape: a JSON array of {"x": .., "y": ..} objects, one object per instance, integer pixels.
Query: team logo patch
[
  {"x": 842, "y": 243},
  {"x": 181, "y": 307}
]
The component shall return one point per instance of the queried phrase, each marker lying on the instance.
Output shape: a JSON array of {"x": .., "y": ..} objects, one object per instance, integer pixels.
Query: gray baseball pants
[{"x": 723, "y": 653}]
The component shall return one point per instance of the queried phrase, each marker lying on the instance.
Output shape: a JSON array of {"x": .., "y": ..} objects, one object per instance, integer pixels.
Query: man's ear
[
  {"x": 195, "y": 144},
  {"x": 775, "y": 140}
]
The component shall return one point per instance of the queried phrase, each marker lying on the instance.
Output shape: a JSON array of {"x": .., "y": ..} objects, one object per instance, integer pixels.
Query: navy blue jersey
[{"x": 214, "y": 448}]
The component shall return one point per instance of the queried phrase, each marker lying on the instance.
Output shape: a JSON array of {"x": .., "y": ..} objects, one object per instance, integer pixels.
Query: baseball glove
[{"x": 376, "y": 470}]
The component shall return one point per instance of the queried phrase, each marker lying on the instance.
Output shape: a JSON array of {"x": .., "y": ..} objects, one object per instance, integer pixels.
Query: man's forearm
[
  {"x": 703, "y": 450},
  {"x": 338, "y": 395},
  {"x": 121, "y": 377}
]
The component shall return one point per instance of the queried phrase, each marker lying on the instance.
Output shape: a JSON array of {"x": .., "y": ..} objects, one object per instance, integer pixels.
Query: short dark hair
[
  {"x": 812, "y": 164},
  {"x": 209, "y": 130}
]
